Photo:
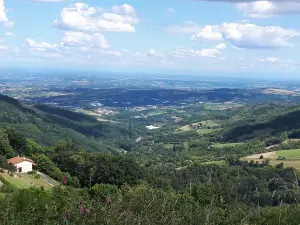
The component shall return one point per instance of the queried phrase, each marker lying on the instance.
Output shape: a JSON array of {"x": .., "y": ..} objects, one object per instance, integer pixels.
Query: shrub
[{"x": 106, "y": 192}]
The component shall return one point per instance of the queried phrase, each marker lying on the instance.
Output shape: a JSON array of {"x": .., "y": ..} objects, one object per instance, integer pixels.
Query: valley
[{"x": 170, "y": 141}]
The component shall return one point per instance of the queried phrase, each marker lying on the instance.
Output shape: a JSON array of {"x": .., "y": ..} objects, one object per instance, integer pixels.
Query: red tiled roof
[{"x": 18, "y": 159}]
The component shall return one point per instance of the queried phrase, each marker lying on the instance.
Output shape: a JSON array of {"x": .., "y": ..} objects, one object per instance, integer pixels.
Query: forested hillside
[
  {"x": 285, "y": 122},
  {"x": 47, "y": 125}
]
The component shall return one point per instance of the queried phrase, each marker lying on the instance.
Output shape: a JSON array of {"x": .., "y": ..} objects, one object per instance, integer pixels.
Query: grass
[
  {"x": 292, "y": 158},
  {"x": 208, "y": 131},
  {"x": 168, "y": 146},
  {"x": 207, "y": 125},
  {"x": 25, "y": 181},
  {"x": 220, "y": 163},
  {"x": 210, "y": 123},
  {"x": 224, "y": 145},
  {"x": 220, "y": 106},
  {"x": 289, "y": 154}
]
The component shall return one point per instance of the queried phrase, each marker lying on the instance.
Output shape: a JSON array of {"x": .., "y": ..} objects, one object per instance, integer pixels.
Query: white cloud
[
  {"x": 266, "y": 9},
  {"x": 124, "y": 9},
  {"x": 39, "y": 47},
  {"x": 81, "y": 17},
  {"x": 211, "y": 52},
  {"x": 181, "y": 52},
  {"x": 247, "y": 35},
  {"x": 113, "y": 53},
  {"x": 79, "y": 39},
  {"x": 189, "y": 27},
  {"x": 170, "y": 9},
  {"x": 269, "y": 60},
  {"x": 154, "y": 53},
  {"x": 3, "y": 16},
  {"x": 151, "y": 52},
  {"x": 276, "y": 63},
  {"x": 253, "y": 36},
  {"x": 221, "y": 46},
  {"x": 208, "y": 33},
  {"x": 8, "y": 34}
]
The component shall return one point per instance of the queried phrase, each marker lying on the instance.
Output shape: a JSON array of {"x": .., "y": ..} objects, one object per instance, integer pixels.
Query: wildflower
[
  {"x": 68, "y": 215},
  {"x": 65, "y": 180},
  {"x": 81, "y": 209},
  {"x": 87, "y": 211}
]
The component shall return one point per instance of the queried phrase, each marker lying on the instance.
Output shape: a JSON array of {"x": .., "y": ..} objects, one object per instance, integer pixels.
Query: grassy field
[
  {"x": 220, "y": 163},
  {"x": 168, "y": 146},
  {"x": 210, "y": 123},
  {"x": 224, "y": 145},
  {"x": 208, "y": 131},
  {"x": 292, "y": 158},
  {"x": 208, "y": 126},
  {"x": 289, "y": 154},
  {"x": 220, "y": 106},
  {"x": 25, "y": 181}
]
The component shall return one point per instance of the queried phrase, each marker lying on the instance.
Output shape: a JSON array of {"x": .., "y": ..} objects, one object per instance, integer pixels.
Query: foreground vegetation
[{"x": 134, "y": 205}]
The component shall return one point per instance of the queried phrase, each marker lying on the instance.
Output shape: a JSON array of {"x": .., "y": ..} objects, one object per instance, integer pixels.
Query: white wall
[{"x": 26, "y": 166}]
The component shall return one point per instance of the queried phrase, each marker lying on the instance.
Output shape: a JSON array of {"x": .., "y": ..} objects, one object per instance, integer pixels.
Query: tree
[
  {"x": 3, "y": 162},
  {"x": 5, "y": 148},
  {"x": 106, "y": 192},
  {"x": 17, "y": 141},
  {"x": 279, "y": 166}
]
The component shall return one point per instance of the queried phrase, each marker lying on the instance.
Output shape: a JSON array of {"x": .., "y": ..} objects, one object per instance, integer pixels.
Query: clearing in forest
[
  {"x": 204, "y": 125},
  {"x": 224, "y": 145},
  {"x": 289, "y": 158}
]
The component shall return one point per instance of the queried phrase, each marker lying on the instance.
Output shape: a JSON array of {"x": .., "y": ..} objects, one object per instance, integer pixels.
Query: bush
[
  {"x": 106, "y": 192},
  {"x": 32, "y": 172},
  {"x": 37, "y": 176}
]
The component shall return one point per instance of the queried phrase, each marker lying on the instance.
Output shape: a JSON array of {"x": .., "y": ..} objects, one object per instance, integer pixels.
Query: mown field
[
  {"x": 289, "y": 158},
  {"x": 22, "y": 181},
  {"x": 224, "y": 145}
]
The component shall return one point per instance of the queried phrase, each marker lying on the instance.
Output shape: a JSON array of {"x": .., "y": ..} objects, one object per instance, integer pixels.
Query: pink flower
[
  {"x": 81, "y": 209},
  {"x": 87, "y": 211},
  {"x": 68, "y": 215},
  {"x": 65, "y": 180}
]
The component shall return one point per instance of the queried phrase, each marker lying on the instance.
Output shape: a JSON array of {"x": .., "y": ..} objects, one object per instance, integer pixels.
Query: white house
[{"x": 22, "y": 164}]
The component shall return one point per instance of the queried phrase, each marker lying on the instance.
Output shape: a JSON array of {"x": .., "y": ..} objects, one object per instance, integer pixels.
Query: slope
[
  {"x": 47, "y": 125},
  {"x": 289, "y": 122}
]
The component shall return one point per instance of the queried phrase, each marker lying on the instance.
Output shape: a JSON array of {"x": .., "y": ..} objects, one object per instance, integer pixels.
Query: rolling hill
[
  {"x": 289, "y": 122},
  {"x": 47, "y": 125}
]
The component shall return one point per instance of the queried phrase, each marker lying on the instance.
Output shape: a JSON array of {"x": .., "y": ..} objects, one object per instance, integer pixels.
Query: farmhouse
[{"x": 22, "y": 164}]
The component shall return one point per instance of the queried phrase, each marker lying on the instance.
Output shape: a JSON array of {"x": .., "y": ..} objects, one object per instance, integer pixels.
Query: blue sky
[{"x": 162, "y": 36}]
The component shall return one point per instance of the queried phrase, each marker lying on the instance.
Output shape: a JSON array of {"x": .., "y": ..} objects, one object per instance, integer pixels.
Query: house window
[{"x": 20, "y": 169}]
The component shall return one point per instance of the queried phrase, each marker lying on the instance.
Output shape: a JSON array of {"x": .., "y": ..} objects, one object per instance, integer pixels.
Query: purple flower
[
  {"x": 65, "y": 180},
  {"x": 81, "y": 209},
  {"x": 87, "y": 211}
]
